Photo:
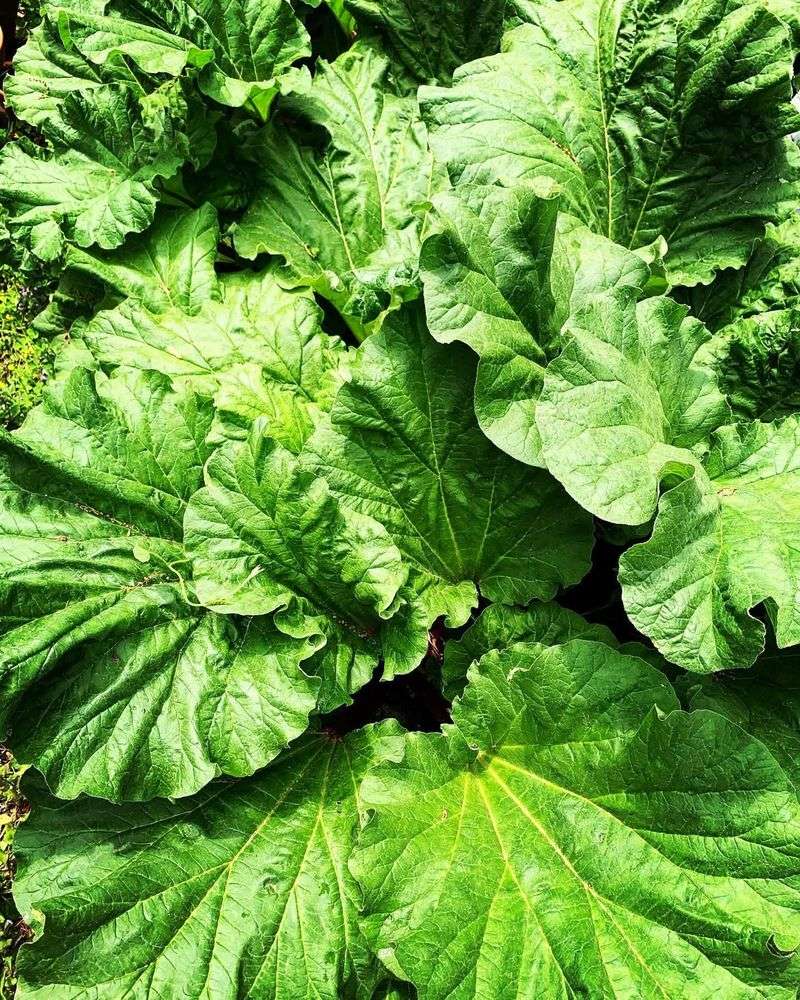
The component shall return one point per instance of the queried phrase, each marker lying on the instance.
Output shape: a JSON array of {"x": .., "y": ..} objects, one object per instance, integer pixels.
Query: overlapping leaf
[
  {"x": 101, "y": 183},
  {"x": 346, "y": 218},
  {"x": 46, "y": 72},
  {"x": 769, "y": 282},
  {"x": 503, "y": 274},
  {"x": 251, "y": 319},
  {"x": 239, "y": 49},
  {"x": 267, "y": 536},
  {"x": 659, "y": 120},
  {"x": 431, "y": 38},
  {"x": 258, "y": 347},
  {"x": 498, "y": 626},
  {"x": 625, "y": 402},
  {"x": 755, "y": 314},
  {"x": 169, "y": 265},
  {"x": 243, "y": 890},
  {"x": 757, "y": 360},
  {"x": 765, "y": 701},
  {"x": 566, "y": 837},
  {"x": 725, "y": 540},
  {"x": 405, "y": 448},
  {"x": 629, "y": 406},
  {"x": 114, "y": 680}
]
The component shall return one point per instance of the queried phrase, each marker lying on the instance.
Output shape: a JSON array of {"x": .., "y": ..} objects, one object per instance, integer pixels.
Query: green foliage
[
  {"x": 429, "y": 361},
  {"x": 25, "y": 357},
  {"x": 13, "y": 810}
]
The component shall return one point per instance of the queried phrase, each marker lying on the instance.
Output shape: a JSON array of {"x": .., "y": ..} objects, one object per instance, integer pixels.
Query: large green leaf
[
  {"x": 290, "y": 391},
  {"x": 724, "y": 541},
  {"x": 171, "y": 264},
  {"x": 267, "y": 536},
  {"x": 100, "y": 184},
  {"x": 114, "y": 680},
  {"x": 757, "y": 360},
  {"x": 502, "y": 274},
  {"x": 769, "y": 282},
  {"x": 431, "y": 38},
  {"x": 567, "y": 838},
  {"x": 240, "y": 891},
  {"x": 46, "y": 73},
  {"x": 250, "y": 319},
  {"x": 658, "y": 120},
  {"x": 257, "y": 346},
  {"x": 239, "y": 48},
  {"x": 345, "y": 218},
  {"x": 625, "y": 402},
  {"x": 406, "y": 449},
  {"x": 765, "y": 701},
  {"x": 498, "y": 626}
]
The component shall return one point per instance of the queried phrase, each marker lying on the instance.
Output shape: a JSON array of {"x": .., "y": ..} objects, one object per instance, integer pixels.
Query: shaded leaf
[{"x": 431, "y": 38}]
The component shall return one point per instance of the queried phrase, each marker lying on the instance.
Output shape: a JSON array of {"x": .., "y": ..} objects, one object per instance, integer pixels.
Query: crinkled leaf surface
[
  {"x": 431, "y": 38},
  {"x": 291, "y": 392},
  {"x": 765, "y": 701},
  {"x": 406, "y": 449},
  {"x": 624, "y": 403},
  {"x": 330, "y": 212},
  {"x": 769, "y": 282},
  {"x": 114, "y": 681},
  {"x": 240, "y": 48},
  {"x": 170, "y": 264},
  {"x": 249, "y": 321},
  {"x": 755, "y": 314},
  {"x": 757, "y": 360},
  {"x": 724, "y": 541},
  {"x": 657, "y": 120},
  {"x": 564, "y": 837},
  {"x": 267, "y": 536},
  {"x": 502, "y": 274},
  {"x": 100, "y": 185},
  {"x": 242, "y": 890},
  {"x": 544, "y": 622},
  {"x": 46, "y": 73}
]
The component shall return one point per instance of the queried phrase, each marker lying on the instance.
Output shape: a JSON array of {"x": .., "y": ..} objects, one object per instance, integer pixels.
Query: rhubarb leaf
[
  {"x": 346, "y": 218},
  {"x": 573, "y": 833},
  {"x": 625, "y": 403},
  {"x": 723, "y": 542},
  {"x": 405, "y": 448},
  {"x": 268, "y": 537},
  {"x": 659, "y": 120},
  {"x": 113, "y": 680},
  {"x": 503, "y": 273},
  {"x": 242, "y": 890}
]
